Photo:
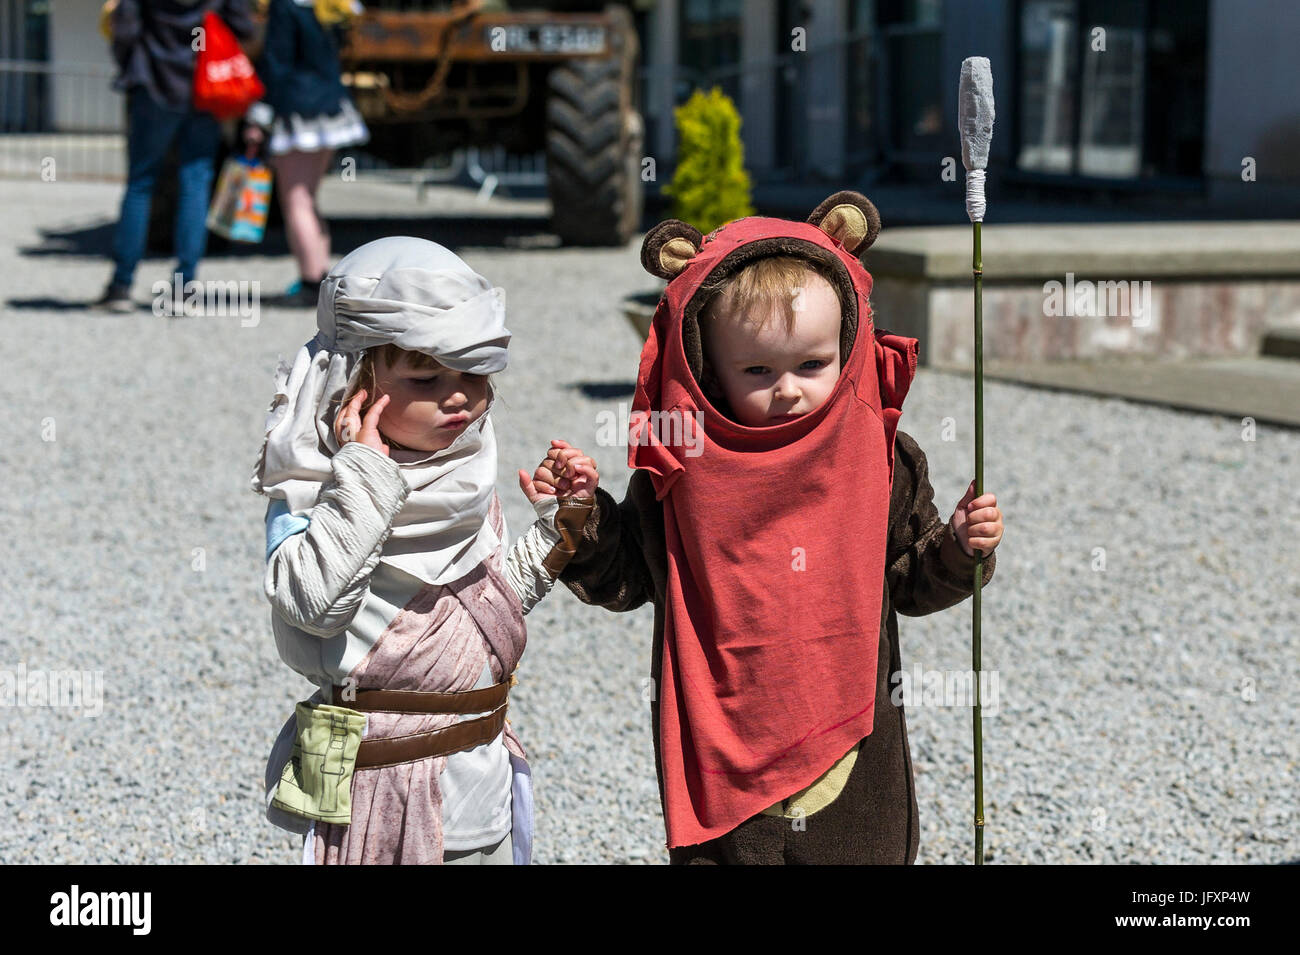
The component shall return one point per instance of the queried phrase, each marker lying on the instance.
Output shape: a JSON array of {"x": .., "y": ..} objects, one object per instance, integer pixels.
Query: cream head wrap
[{"x": 421, "y": 297}]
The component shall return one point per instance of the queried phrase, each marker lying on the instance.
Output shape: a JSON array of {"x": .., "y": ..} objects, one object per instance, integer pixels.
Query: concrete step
[{"x": 1266, "y": 388}]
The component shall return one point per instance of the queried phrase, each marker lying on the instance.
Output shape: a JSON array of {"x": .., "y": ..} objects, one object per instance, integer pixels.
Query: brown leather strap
[
  {"x": 570, "y": 519},
  {"x": 373, "y": 753},
  {"x": 417, "y": 701}
]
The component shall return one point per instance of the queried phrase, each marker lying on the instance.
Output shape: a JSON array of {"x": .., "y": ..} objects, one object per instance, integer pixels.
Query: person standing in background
[
  {"x": 154, "y": 45},
  {"x": 306, "y": 114}
]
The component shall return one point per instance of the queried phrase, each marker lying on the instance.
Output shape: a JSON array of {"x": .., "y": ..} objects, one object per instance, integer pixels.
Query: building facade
[{"x": 1194, "y": 97}]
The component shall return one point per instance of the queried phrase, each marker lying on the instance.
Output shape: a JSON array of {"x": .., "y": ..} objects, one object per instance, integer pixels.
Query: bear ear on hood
[
  {"x": 849, "y": 217},
  {"x": 669, "y": 247}
]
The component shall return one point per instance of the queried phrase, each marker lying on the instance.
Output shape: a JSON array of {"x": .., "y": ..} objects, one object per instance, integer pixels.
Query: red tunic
[{"x": 768, "y": 671}]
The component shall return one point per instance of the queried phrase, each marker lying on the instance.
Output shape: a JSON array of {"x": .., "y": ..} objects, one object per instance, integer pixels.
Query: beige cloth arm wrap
[{"x": 538, "y": 557}]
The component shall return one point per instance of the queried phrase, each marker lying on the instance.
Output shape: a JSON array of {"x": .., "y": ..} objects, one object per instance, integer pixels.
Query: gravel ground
[{"x": 1147, "y": 711}]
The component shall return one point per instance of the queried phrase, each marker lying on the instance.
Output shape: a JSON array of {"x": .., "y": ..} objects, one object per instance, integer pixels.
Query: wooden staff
[{"x": 975, "y": 118}]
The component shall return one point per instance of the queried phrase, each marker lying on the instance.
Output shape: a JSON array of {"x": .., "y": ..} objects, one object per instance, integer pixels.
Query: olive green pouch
[{"x": 317, "y": 780}]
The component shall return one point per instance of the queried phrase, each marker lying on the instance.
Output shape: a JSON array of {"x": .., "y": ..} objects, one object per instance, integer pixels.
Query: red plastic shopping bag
[{"x": 225, "y": 83}]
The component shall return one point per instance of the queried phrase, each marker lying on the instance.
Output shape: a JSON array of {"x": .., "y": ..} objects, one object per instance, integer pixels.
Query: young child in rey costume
[
  {"x": 389, "y": 570},
  {"x": 779, "y": 522}
]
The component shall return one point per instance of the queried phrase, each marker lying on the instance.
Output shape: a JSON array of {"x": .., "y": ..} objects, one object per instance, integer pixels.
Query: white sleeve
[
  {"x": 534, "y": 562},
  {"x": 317, "y": 579}
]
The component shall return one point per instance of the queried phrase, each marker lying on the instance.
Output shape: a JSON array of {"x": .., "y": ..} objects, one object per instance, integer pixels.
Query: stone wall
[{"x": 1136, "y": 291}]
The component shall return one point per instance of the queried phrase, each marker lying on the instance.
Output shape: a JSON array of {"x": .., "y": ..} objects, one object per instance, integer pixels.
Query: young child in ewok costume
[
  {"x": 777, "y": 541},
  {"x": 392, "y": 583}
]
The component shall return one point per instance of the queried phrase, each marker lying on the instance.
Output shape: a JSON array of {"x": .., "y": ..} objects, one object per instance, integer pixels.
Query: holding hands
[
  {"x": 565, "y": 470},
  {"x": 977, "y": 522}
]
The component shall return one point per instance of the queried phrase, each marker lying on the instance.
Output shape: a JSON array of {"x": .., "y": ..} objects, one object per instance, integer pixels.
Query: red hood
[{"x": 755, "y": 236}]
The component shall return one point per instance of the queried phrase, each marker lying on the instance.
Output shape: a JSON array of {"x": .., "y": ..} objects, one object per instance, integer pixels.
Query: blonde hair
[
  {"x": 765, "y": 285},
  {"x": 391, "y": 355}
]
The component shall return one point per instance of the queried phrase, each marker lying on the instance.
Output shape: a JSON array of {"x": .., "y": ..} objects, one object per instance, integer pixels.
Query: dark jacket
[
  {"x": 622, "y": 562},
  {"x": 300, "y": 63},
  {"x": 153, "y": 43}
]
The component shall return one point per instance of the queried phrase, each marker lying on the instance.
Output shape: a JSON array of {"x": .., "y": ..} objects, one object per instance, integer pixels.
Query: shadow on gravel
[
  {"x": 79, "y": 305},
  {"x": 346, "y": 232},
  {"x": 97, "y": 240},
  {"x": 49, "y": 304},
  {"x": 602, "y": 390},
  {"x": 92, "y": 240},
  {"x": 451, "y": 231}
]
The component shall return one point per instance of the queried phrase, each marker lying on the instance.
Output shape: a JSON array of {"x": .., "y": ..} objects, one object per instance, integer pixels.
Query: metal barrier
[
  {"x": 66, "y": 121},
  {"x": 60, "y": 121},
  {"x": 501, "y": 168},
  {"x": 486, "y": 169}
]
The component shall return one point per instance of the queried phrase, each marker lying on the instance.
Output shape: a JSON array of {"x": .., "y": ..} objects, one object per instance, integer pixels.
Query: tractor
[
  {"x": 560, "y": 77},
  {"x": 432, "y": 77}
]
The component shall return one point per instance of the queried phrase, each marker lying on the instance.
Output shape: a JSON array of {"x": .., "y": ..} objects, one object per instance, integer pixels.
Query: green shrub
[{"x": 710, "y": 186}]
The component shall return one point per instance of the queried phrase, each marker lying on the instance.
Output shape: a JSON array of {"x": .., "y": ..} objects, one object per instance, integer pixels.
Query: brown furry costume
[{"x": 622, "y": 560}]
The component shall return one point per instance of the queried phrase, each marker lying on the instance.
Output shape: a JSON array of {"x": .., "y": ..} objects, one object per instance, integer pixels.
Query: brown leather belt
[
  {"x": 418, "y": 701},
  {"x": 459, "y": 736}
]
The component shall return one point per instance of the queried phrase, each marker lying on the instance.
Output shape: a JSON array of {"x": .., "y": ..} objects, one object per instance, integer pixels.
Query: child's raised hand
[
  {"x": 565, "y": 470},
  {"x": 348, "y": 425},
  {"x": 977, "y": 522}
]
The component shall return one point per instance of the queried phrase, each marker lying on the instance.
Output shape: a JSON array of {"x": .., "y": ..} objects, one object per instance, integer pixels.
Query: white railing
[{"x": 60, "y": 119}]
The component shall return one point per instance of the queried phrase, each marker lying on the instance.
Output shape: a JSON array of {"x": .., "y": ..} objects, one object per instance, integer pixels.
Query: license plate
[{"x": 546, "y": 38}]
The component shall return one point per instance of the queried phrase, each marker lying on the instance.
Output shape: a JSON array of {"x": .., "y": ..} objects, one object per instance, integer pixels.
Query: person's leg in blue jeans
[
  {"x": 150, "y": 130},
  {"x": 196, "y": 155}
]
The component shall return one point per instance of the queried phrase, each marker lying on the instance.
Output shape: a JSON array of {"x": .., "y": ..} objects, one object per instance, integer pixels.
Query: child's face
[
  {"x": 428, "y": 407},
  {"x": 768, "y": 376}
]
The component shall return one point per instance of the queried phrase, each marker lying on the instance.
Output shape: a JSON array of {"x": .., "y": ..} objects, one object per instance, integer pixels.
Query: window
[
  {"x": 709, "y": 46},
  {"x": 911, "y": 107},
  {"x": 1110, "y": 89},
  {"x": 861, "y": 136},
  {"x": 24, "y": 88}
]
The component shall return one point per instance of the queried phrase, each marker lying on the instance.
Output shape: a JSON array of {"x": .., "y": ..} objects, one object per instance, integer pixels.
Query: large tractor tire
[{"x": 594, "y": 142}]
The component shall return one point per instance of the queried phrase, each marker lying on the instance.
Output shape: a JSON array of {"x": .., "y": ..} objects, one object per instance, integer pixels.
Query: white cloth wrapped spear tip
[{"x": 975, "y": 120}]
